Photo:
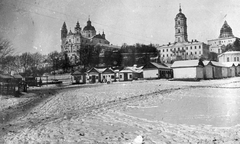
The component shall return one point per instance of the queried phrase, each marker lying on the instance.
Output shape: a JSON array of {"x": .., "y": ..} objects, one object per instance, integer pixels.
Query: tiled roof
[{"x": 187, "y": 63}]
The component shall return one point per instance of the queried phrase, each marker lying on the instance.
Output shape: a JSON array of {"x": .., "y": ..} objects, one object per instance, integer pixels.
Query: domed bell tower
[{"x": 181, "y": 27}]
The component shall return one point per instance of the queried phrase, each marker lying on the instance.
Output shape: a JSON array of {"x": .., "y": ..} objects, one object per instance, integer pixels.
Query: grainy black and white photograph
[{"x": 119, "y": 72}]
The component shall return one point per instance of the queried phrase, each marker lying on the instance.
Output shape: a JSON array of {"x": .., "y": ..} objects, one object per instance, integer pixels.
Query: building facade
[
  {"x": 229, "y": 56},
  {"x": 226, "y": 37},
  {"x": 71, "y": 41},
  {"x": 182, "y": 49}
]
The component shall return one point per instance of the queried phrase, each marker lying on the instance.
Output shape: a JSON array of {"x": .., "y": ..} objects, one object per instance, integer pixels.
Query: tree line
[{"x": 88, "y": 56}]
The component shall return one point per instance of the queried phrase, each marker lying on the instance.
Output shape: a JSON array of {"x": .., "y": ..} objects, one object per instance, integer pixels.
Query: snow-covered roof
[
  {"x": 17, "y": 76},
  {"x": 77, "y": 73},
  {"x": 229, "y": 52},
  {"x": 206, "y": 62},
  {"x": 126, "y": 71},
  {"x": 106, "y": 69},
  {"x": 160, "y": 65},
  {"x": 5, "y": 76},
  {"x": 187, "y": 63},
  {"x": 230, "y": 64},
  {"x": 135, "y": 69},
  {"x": 218, "y": 64}
]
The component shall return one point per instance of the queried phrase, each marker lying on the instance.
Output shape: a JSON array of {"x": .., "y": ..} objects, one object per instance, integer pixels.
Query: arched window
[
  {"x": 178, "y": 22},
  {"x": 178, "y": 30}
]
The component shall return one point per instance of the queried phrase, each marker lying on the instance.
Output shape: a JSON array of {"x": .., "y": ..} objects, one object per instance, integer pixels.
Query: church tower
[
  {"x": 77, "y": 28},
  {"x": 64, "y": 31},
  {"x": 181, "y": 27}
]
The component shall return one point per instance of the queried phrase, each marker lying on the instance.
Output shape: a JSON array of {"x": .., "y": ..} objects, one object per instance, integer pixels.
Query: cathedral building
[
  {"x": 71, "y": 41},
  {"x": 181, "y": 48},
  {"x": 226, "y": 37}
]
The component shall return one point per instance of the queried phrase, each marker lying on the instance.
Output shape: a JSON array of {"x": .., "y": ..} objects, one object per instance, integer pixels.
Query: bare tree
[
  {"x": 6, "y": 49},
  {"x": 26, "y": 60},
  {"x": 37, "y": 59}
]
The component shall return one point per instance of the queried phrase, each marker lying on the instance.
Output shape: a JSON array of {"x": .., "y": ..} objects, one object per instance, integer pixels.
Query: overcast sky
[{"x": 34, "y": 25}]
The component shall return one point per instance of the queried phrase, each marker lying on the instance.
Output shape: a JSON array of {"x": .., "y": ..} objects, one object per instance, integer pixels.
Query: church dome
[
  {"x": 226, "y": 31},
  {"x": 89, "y": 26},
  {"x": 180, "y": 14}
]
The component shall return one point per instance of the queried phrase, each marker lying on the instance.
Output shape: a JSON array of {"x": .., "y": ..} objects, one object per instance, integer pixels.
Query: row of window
[
  {"x": 235, "y": 59},
  {"x": 121, "y": 76},
  {"x": 78, "y": 40},
  {"x": 104, "y": 77},
  {"x": 225, "y": 41},
  {"x": 191, "y": 53},
  {"x": 191, "y": 47}
]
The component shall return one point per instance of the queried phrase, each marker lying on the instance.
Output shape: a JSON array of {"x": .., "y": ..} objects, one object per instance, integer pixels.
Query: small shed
[
  {"x": 131, "y": 73},
  {"x": 108, "y": 75},
  {"x": 154, "y": 70},
  {"x": 219, "y": 70},
  {"x": 18, "y": 77},
  {"x": 188, "y": 69},
  {"x": 125, "y": 75},
  {"x": 238, "y": 69},
  {"x": 78, "y": 77},
  {"x": 231, "y": 69},
  {"x": 137, "y": 71},
  {"x": 208, "y": 70},
  {"x": 94, "y": 75}
]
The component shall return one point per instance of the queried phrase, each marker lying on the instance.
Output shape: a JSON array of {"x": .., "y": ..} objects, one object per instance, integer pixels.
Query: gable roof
[
  {"x": 217, "y": 64},
  {"x": 187, "y": 63},
  {"x": 78, "y": 73},
  {"x": 156, "y": 65},
  {"x": 95, "y": 70},
  {"x": 229, "y": 64},
  {"x": 135, "y": 69},
  {"x": 232, "y": 63},
  {"x": 108, "y": 70},
  {"x": 18, "y": 76},
  {"x": 126, "y": 71},
  {"x": 206, "y": 62},
  {"x": 6, "y": 76}
]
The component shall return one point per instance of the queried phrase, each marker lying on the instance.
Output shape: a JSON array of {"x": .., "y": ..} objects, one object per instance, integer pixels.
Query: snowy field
[{"x": 160, "y": 111}]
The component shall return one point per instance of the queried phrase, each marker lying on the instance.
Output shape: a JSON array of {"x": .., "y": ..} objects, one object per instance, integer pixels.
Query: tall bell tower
[{"x": 181, "y": 27}]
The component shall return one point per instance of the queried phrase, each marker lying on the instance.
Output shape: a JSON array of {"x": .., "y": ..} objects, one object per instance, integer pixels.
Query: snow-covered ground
[{"x": 120, "y": 112}]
